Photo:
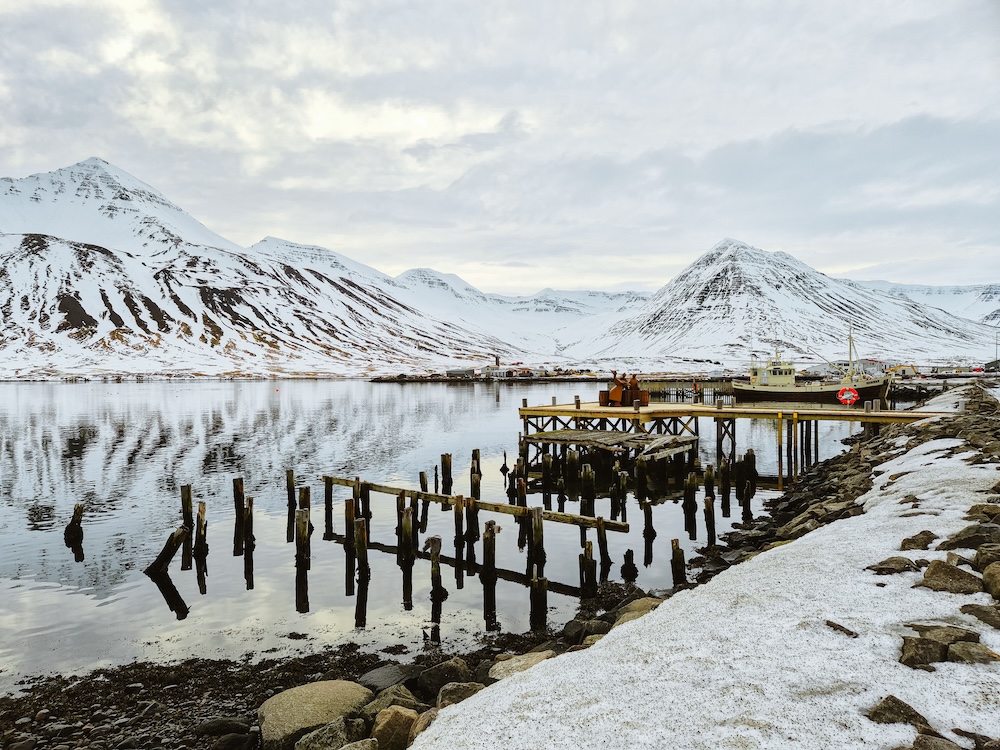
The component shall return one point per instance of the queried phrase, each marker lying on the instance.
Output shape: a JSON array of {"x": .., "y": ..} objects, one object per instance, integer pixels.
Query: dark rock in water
[
  {"x": 893, "y": 565},
  {"x": 918, "y": 541},
  {"x": 987, "y": 614},
  {"x": 379, "y": 679},
  {"x": 573, "y": 631},
  {"x": 218, "y": 726},
  {"x": 940, "y": 576},
  {"x": 920, "y": 652},
  {"x": 891, "y": 710},
  {"x": 972, "y": 537}
]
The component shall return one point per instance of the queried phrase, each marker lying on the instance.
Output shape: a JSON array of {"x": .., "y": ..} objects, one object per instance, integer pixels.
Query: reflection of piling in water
[
  {"x": 364, "y": 571},
  {"x": 170, "y": 594},
  {"x": 536, "y": 549},
  {"x": 238, "y": 509},
  {"x": 547, "y": 477},
  {"x": 571, "y": 474},
  {"x": 641, "y": 482},
  {"x": 602, "y": 543},
  {"x": 73, "y": 533},
  {"x": 690, "y": 505},
  {"x": 458, "y": 511},
  {"x": 629, "y": 571},
  {"x": 162, "y": 561},
  {"x": 488, "y": 576},
  {"x": 200, "y": 551},
  {"x": 438, "y": 592},
  {"x": 724, "y": 486},
  {"x": 290, "y": 492},
  {"x": 677, "y": 566},
  {"x": 302, "y": 560},
  {"x": 187, "y": 513},
  {"x": 539, "y": 604},
  {"x": 249, "y": 543},
  {"x": 710, "y": 520}
]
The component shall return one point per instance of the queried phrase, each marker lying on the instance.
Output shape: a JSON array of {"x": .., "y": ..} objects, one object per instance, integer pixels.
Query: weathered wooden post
[
  {"x": 327, "y": 508},
  {"x": 690, "y": 505},
  {"x": 537, "y": 556},
  {"x": 239, "y": 501},
  {"x": 547, "y": 476},
  {"x": 187, "y": 513},
  {"x": 641, "y": 485},
  {"x": 366, "y": 501},
  {"x": 249, "y": 543},
  {"x": 446, "y": 481},
  {"x": 458, "y": 507},
  {"x": 304, "y": 505},
  {"x": 709, "y": 481},
  {"x": 349, "y": 525},
  {"x": 677, "y": 567},
  {"x": 423, "y": 481},
  {"x": 162, "y": 562},
  {"x": 290, "y": 488},
  {"x": 602, "y": 542},
  {"x": 200, "y": 551},
  {"x": 588, "y": 490},
  {"x": 474, "y": 482},
  {"x": 361, "y": 548},
  {"x": 588, "y": 571},
  {"x": 710, "y": 520},
  {"x": 572, "y": 474}
]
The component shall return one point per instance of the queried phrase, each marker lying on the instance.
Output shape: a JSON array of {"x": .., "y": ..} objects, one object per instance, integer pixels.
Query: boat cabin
[{"x": 775, "y": 372}]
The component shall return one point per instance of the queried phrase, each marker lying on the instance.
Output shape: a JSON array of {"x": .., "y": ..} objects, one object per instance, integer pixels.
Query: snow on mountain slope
[
  {"x": 980, "y": 302},
  {"x": 100, "y": 275},
  {"x": 736, "y": 299}
]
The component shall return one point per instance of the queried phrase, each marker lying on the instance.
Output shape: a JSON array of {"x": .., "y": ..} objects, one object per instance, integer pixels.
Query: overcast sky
[{"x": 520, "y": 145}]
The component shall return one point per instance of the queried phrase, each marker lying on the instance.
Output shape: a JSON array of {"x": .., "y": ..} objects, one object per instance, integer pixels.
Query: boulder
[
  {"x": 456, "y": 692},
  {"x": 392, "y": 727},
  {"x": 891, "y": 710},
  {"x": 336, "y": 734},
  {"x": 642, "y": 606},
  {"x": 594, "y": 627},
  {"x": 423, "y": 721},
  {"x": 991, "y": 579},
  {"x": 972, "y": 537},
  {"x": 920, "y": 652},
  {"x": 388, "y": 675},
  {"x": 927, "y": 742},
  {"x": 986, "y": 554},
  {"x": 230, "y": 741},
  {"x": 971, "y": 653},
  {"x": 945, "y": 634},
  {"x": 221, "y": 725},
  {"x": 365, "y": 744},
  {"x": 984, "y": 613},
  {"x": 918, "y": 541},
  {"x": 519, "y": 663},
  {"x": 892, "y": 565},
  {"x": 940, "y": 576},
  {"x": 396, "y": 695},
  {"x": 286, "y": 717},
  {"x": 433, "y": 679}
]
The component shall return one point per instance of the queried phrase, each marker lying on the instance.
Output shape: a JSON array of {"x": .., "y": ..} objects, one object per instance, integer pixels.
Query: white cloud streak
[{"x": 568, "y": 144}]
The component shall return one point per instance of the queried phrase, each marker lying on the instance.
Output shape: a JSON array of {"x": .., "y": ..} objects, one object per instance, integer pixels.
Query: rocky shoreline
[{"x": 224, "y": 704}]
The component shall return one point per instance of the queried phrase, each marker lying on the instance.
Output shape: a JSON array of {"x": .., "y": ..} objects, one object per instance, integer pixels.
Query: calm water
[{"x": 124, "y": 450}]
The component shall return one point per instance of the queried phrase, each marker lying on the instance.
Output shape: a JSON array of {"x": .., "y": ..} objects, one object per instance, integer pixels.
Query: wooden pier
[{"x": 639, "y": 428}]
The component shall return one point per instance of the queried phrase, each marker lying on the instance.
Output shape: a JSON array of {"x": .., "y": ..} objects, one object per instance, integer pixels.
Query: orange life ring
[{"x": 847, "y": 396}]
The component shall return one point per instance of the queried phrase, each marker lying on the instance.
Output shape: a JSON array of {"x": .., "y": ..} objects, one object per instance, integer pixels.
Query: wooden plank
[{"x": 505, "y": 508}]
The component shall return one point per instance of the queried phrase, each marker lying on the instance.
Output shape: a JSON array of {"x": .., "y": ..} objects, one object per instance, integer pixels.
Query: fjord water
[{"x": 125, "y": 449}]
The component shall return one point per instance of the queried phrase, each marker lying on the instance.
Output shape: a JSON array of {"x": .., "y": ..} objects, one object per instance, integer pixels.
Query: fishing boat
[{"x": 775, "y": 381}]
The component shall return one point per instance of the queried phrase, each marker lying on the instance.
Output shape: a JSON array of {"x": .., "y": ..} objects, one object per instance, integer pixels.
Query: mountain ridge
[{"x": 102, "y": 274}]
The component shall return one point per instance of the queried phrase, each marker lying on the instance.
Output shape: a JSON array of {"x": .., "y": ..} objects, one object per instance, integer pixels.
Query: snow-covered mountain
[
  {"x": 978, "y": 302},
  {"x": 738, "y": 300},
  {"x": 100, "y": 274}
]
